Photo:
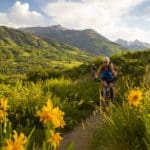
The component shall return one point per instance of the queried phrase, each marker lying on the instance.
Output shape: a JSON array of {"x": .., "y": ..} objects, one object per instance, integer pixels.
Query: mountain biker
[{"x": 108, "y": 74}]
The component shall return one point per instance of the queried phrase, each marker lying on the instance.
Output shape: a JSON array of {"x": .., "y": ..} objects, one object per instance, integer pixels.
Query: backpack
[{"x": 107, "y": 74}]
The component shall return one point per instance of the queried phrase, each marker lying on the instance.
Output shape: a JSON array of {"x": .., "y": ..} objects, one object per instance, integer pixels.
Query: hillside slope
[
  {"x": 87, "y": 40},
  {"x": 20, "y": 51}
]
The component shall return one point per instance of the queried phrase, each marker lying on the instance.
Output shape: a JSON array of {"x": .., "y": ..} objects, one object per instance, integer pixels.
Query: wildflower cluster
[{"x": 52, "y": 115}]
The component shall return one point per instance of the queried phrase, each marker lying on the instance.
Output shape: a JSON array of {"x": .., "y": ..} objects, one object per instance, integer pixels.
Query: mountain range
[
  {"x": 133, "y": 45},
  {"x": 88, "y": 40}
]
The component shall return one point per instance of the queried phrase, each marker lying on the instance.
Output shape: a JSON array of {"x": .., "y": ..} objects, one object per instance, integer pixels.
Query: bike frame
[{"x": 106, "y": 92}]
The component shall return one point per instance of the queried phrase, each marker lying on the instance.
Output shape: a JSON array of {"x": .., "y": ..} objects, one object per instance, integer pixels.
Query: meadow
[{"x": 36, "y": 112}]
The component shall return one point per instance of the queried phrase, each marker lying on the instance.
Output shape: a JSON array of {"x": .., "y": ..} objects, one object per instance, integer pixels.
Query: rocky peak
[{"x": 58, "y": 27}]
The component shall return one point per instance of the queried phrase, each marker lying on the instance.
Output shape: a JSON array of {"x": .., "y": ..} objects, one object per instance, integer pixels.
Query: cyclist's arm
[
  {"x": 112, "y": 68},
  {"x": 98, "y": 71}
]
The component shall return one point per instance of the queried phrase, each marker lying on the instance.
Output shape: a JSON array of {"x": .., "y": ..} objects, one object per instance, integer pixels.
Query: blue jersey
[{"x": 107, "y": 74}]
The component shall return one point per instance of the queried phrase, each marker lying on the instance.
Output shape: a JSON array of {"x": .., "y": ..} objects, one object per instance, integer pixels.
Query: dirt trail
[{"x": 81, "y": 134}]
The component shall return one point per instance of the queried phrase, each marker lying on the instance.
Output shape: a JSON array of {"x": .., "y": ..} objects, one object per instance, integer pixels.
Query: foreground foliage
[
  {"x": 125, "y": 126},
  {"x": 51, "y": 118},
  {"x": 77, "y": 95}
]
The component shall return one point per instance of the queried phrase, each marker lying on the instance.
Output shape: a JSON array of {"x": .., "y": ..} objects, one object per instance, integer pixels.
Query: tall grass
[{"x": 126, "y": 126}]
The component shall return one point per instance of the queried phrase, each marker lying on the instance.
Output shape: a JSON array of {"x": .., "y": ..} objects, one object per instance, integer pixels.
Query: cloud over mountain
[
  {"x": 105, "y": 17},
  {"x": 127, "y": 19}
]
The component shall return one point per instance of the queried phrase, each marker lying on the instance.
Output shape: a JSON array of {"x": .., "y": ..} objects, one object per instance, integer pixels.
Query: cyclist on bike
[{"x": 108, "y": 74}]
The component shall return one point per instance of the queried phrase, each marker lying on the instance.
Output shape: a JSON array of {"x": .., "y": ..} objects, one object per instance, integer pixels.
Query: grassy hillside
[
  {"x": 19, "y": 52},
  {"x": 87, "y": 40}
]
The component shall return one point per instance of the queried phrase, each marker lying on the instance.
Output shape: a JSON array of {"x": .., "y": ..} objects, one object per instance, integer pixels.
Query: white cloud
[
  {"x": 107, "y": 11},
  {"x": 147, "y": 9},
  {"x": 147, "y": 14},
  {"x": 105, "y": 16},
  {"x": 129, "y": 34},
  {"x": 19, "y": 15},
  {"x": 4, "y": 19},
  {"x": 148, "y": 20}
]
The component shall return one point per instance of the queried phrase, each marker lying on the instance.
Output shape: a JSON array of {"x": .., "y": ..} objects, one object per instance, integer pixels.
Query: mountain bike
[{"x": 106, "y": 96}]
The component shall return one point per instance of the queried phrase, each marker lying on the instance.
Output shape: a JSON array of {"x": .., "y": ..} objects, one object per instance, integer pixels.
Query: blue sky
[{"x": 127, "y": 19}]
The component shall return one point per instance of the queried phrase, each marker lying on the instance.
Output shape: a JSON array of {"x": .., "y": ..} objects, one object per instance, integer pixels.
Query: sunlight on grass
[
  {"x": 67, "y": 64},
  {"x": 25, "y": 54}
]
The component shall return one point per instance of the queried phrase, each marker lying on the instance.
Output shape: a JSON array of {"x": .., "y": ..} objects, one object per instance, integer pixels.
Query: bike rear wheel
[{"x": 107, "y": 96}]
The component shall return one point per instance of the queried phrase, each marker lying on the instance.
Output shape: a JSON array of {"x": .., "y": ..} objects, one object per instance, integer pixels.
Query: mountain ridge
[
  {"x": 133, "y": 45},
  {"x": 88, "y": 39}
]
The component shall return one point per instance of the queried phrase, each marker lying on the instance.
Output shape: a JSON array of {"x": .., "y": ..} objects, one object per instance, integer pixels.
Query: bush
[{"x": 37, "y": 74}]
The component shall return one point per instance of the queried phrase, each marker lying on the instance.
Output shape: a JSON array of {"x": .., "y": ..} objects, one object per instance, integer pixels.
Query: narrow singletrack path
[{"x": 81, "y": 134}]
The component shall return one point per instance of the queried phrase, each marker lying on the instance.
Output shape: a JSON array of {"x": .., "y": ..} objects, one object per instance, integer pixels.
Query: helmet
[{"x": 106, "y": 59}]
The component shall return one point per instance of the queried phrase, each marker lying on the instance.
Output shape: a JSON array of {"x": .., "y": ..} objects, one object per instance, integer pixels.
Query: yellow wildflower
[
  {"x": 44, "y": 113},
  {"x": 55, "y": 139},
  {"x": 44, "y": 116},
  {"x": 17, "y": 142},
  {"x": 50, "y": 114},
  {"x": 48, "y": 106},
  {"x": 3, "y": 104},
  {"x": 134, "y": 97},
  {"x": 2, "y": 116},
  {"x": 62, "y": 123},
  {"x": 58, "y": 119}
]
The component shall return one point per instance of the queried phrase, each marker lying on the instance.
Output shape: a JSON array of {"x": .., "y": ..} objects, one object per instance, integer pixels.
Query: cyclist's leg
[
  {"x": 103, "y": 91},
  {"x": 104, "y": 83},
  {"x": 111, "y": 85}
]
